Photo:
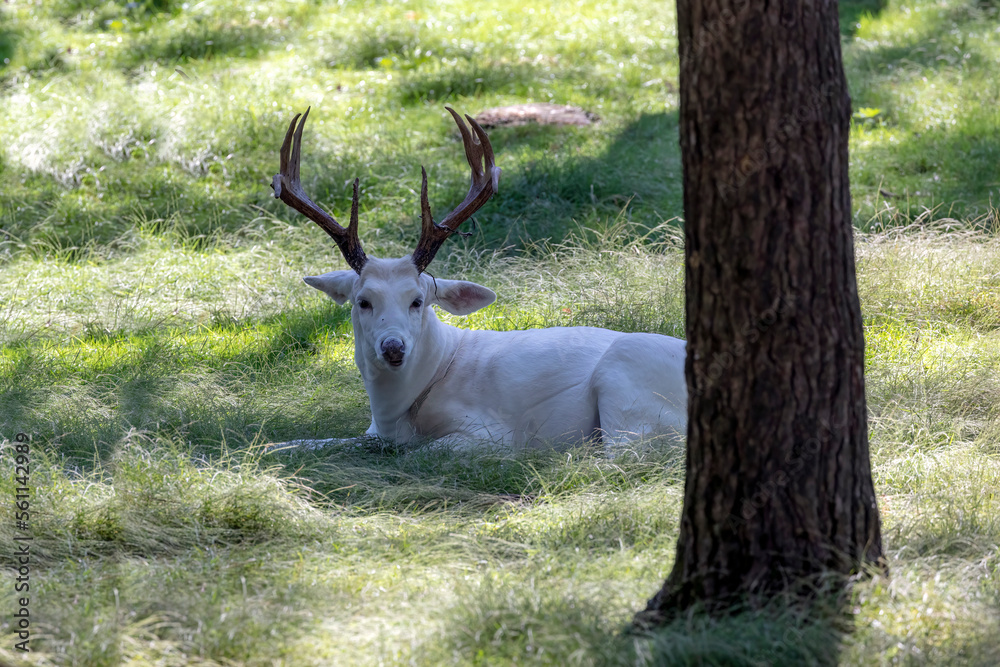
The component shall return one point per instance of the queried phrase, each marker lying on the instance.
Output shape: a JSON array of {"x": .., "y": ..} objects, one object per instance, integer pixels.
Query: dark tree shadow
[
  {"x": 201, "y": 41},
  {"x": 934, "y": 44},
  {"x": 851, "y": 13},
  {"x": 951, "y": 168},
  {"x": 638, "y": 176},
  {"x": 780, "y": 635},
  {"x": 95, "y": 14},
  {"x": 917, "y": 170},
  {"x": 160, "y": 382},
  {"x": 8, "y": 46},
  {"x": 468, "y": 79},
  {"x": 500, "y": 627}
]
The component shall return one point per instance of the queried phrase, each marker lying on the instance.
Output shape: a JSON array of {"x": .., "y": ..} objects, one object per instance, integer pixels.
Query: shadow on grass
[
  {"x": 953, "y": 171},
  {"x": 77, "y": 11},
  {"x": 369, "y": 476},
  {"x": 22, "y": 388},
  {"x": 211, "y": 601},
  {"x": 468, "y": 78},
  {"x": 8, "y": 45},
  {"x": 271, "y": 383},
  {"x": 514, "y": 620},
  {"x": 778, "y": 636},
  {"x": 852, "y": 11},
  {"x": 401, "y": 43},
  {"x": 418, "y": 479},
  {"x": 949, "y": 166},
  {"x": 45, "y": 218},
  {"x": 639, "y": 173},
  {"x": 199, "y": 41},
  {"x": 938, "y": 42}
]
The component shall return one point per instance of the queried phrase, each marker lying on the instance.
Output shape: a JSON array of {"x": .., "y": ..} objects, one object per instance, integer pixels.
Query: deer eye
[
  {"x": 416, "y": 303},
  {"x": 364, "y": 304}
]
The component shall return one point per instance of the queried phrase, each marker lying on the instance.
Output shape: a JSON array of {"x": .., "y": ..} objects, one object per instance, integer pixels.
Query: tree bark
[{"x": 779, "y": 488}]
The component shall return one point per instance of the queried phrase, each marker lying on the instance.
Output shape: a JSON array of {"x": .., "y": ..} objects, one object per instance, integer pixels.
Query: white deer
[{"x": 427, "y": 380}]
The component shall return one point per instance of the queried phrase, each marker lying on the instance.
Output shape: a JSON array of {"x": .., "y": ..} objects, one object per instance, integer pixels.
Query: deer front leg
[{"x": 363, "y": 440}]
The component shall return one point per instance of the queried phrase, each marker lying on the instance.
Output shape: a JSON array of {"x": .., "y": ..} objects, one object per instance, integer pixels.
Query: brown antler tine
[
  {"x": 426, "y": 219},
  {"x": 288, "y": 188},
  {"x": 352, "y": 226},
  {"x": 431, "y": 234},
  {"x": 473, "y": 155},
  {"x": 484, "y": 141},
  {"x": 485, "y": 180},
  {"x": 287, "y": 144},
  {"x": 297, "y": 147},
  {"x": 276, "y": 182},
  {"x": 491, "y": 166}
]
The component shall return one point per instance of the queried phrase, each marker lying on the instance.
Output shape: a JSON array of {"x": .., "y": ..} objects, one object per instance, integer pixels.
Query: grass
[
  {"x": 215, "y": 549},
  {"x": 926, "y": 111},
  {"x": 155, "y": 335}
]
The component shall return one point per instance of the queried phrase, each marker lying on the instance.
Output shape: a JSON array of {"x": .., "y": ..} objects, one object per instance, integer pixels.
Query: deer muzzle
[{"x": 393, "y": 350}]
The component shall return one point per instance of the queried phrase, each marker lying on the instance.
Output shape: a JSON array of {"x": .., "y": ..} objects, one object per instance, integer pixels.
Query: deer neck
[{"x": 392, "y": 393}]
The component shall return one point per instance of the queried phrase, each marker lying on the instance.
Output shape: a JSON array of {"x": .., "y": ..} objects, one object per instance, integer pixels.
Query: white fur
[{"x": 516, "y": 388}]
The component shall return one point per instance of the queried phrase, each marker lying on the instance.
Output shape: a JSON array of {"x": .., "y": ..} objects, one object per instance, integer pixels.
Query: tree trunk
[{"x": 779, "y": 488}]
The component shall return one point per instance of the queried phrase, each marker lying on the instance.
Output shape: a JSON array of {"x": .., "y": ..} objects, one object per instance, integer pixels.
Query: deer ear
[
  {"x": 338, "y": 284},
  {"x": 460, "y": 297}
]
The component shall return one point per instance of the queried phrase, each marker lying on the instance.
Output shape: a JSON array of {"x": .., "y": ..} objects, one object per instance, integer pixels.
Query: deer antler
[
  {"x": 288, "y": 188},
  {"x": 485, "y": 182}
]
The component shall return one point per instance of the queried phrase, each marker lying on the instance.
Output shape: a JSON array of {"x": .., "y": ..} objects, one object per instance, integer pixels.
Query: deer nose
[{"x": 392, "y": 351}]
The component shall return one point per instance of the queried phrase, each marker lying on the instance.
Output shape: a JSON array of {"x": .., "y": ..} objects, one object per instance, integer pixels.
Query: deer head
[{"x": 391, "y": 297}]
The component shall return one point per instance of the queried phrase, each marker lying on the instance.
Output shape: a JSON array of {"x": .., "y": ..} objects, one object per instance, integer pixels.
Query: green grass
[
  {"x": 152, "y": 484},
  {"x": 155, "y": 334},
  {"x": 190, "y": 137},
  {"x": 926, "y": 72}
]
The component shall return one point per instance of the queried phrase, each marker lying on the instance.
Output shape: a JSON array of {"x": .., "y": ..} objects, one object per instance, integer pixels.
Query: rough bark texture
[{"x": 779, "y": 487}]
